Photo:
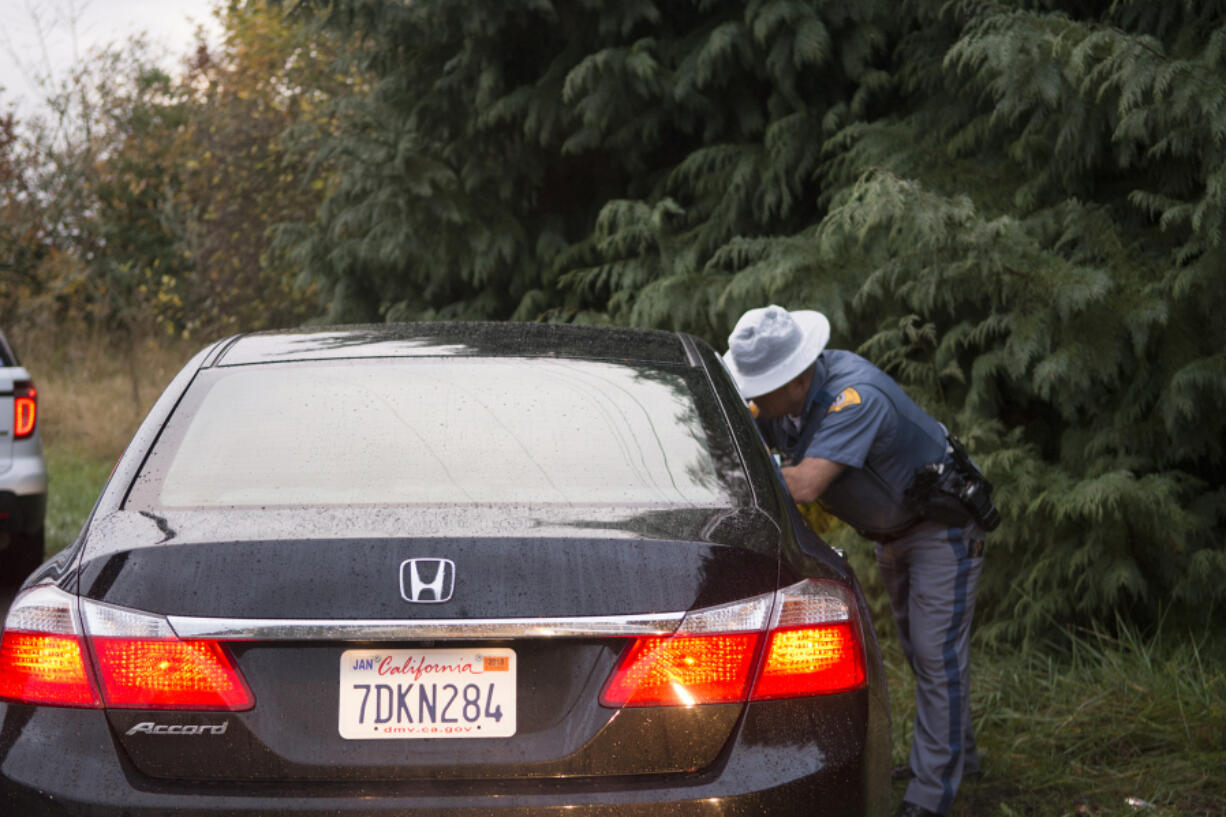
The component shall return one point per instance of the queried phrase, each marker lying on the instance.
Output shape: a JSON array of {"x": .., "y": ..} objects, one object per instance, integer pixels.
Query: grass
[
  {"x": 1081, "y": 726},
  {"x": 76, "y": 478},
  {"x": 1076, "y": 728},
  {"x": 1089, "y": 726}
]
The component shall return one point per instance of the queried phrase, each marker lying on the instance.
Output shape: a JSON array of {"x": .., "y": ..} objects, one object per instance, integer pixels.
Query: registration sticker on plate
[{"x": 462, "y": 693}]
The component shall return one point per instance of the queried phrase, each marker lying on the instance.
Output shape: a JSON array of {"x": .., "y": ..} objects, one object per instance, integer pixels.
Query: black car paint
[
  {"x": 780, "y": 751},
  {"x": 843, "y": 747},
  {"x": 503, "y": 577}
]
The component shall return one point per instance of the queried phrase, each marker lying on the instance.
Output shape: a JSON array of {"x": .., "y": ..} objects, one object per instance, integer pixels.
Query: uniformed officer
[{"x": 850, "y": 435}]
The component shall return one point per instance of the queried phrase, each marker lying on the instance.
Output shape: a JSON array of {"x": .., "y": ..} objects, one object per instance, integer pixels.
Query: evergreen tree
[
  {"x": 473, "y": 172},
  {"x": 1031, "y": 242},
  {"x": 1014, "y": 207}
]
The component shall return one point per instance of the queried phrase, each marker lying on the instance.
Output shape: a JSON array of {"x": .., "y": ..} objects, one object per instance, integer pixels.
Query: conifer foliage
[{"x": 1017, "y": 208}]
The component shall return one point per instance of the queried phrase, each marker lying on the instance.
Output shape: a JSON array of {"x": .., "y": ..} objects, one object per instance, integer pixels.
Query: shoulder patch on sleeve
[{"x": 847, "y": 397}]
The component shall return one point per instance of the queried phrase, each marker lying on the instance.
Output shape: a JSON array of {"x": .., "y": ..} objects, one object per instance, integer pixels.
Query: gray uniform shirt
[{"x": 865, "y": 421}]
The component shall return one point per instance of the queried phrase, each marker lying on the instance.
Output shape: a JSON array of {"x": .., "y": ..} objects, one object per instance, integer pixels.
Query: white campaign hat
[{"x": 770, "y": 346}]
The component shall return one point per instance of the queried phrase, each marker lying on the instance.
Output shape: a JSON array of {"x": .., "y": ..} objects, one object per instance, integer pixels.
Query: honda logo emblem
[{"x": 427, "y": 581}]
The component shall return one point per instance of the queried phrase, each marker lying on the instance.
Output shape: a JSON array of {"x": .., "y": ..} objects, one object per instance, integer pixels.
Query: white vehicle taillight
[
  {"x": 803, "y": 640},
  {"x": 116, "y": 658}
]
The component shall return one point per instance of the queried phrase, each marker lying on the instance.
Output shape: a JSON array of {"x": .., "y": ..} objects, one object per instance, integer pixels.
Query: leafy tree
[
  {"x": 93, "y": 169},
  {"x": 154, "y": 194},
  {"x": 22, "y": 241},
  {"x": 237, "y": 178}
]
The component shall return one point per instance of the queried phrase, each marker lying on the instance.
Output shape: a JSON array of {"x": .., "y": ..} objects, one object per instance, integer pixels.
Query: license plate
[{"x": 399, "y": 694}]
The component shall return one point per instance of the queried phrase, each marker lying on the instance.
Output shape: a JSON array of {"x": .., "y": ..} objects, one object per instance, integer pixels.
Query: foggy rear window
[{"x": 435, "y": 432}]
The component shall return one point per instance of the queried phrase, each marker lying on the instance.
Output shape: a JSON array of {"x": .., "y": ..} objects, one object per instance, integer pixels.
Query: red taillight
[
  {"x": 812, "y": 648},
  {"x": 140, "y": 662},
  {"x": 683, "y": 670},
  {"x": 25, "y": 409},
  {"x": 168, "y": 674},
  {"x": 811, "y": 661},
  {"x": 47, "y": 669}
]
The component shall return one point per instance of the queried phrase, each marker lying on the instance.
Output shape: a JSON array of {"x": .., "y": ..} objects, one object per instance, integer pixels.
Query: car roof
[{"x": 456, "y": 339}]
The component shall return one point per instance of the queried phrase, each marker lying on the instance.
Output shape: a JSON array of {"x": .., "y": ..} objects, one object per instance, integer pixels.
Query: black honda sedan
[{"x": 444, "y": 569}]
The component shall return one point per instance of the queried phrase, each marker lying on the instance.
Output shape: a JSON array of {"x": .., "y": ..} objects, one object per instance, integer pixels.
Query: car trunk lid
[{"x": 303, "y": 619}]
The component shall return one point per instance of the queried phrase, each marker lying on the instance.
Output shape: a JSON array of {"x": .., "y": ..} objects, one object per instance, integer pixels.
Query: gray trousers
[{"x": 932, "y": 575}]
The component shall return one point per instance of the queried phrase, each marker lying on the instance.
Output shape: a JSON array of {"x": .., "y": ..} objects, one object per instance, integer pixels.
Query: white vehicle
[{"x": 23, "y": 473}]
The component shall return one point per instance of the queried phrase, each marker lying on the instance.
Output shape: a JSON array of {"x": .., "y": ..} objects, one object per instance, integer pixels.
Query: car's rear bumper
[
  {"x": 66, "y": 762},
  {"x": 22, "y": 513}
]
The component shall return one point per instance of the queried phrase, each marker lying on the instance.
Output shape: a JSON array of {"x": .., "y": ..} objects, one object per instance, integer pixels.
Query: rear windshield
[{"x": 442, "y": 432}]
